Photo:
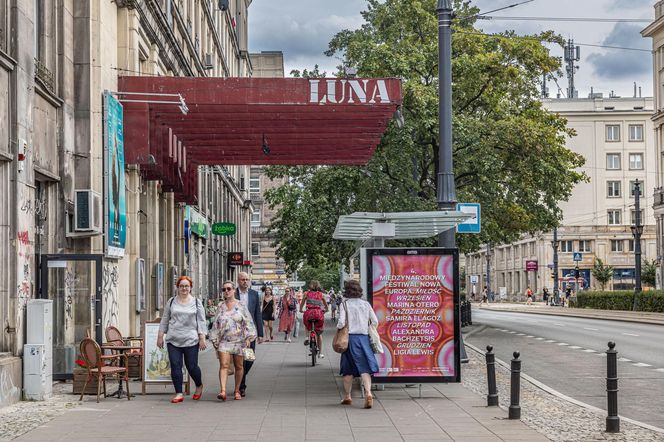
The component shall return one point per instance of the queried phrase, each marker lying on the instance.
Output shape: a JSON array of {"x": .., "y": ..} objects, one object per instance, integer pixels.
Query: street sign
[
  {"x": 474, "y": 279},
  {"x": 471, "y": 225},
  {"x": 235, "y": 259},
  {"x": 531, "y": 265},
  {"x": 224, "y": 229},
  {"x": 576, "y": 256}
]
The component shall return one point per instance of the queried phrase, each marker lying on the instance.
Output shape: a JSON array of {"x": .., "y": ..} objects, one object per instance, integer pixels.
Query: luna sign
[{"x": 343, "y": 91}]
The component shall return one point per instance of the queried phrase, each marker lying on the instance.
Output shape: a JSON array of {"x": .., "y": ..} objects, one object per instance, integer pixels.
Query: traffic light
[{"x": 553, "y": 276}]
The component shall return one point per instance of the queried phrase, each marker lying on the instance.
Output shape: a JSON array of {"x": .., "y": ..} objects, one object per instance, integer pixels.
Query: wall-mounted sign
[
  {"x": 224, "y": 229},
  {"x": 114, "y": 182},
  {"x": 235, "y": 258},
  {"x": 531, "y": 265},
  {"x": 198, "y": 224}
]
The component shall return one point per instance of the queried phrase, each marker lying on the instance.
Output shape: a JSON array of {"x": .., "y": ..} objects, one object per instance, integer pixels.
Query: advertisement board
[
  {"x": 415, "y": 295},
  {"x": 531, "y": 265},
  {"x": 114, "y": 178}
]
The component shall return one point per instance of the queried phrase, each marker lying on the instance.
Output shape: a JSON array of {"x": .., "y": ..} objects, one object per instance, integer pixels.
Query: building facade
[
  {"x": 615, "y": 137},
  {"x": 655, "y": 31},
  {"x": 62, "y": 176}
]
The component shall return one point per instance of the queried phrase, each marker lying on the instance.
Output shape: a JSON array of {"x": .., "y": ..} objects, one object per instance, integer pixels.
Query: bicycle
[{"x": 313, "y": 342}]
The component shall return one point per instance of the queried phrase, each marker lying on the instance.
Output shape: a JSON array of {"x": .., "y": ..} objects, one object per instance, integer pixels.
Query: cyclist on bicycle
[{"x": 314, "y": 316}]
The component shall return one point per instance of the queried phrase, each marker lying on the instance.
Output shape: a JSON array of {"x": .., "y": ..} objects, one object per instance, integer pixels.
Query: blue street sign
[
  {"x": 576, "y": 256},
  {"x": 472, "y": 225}
]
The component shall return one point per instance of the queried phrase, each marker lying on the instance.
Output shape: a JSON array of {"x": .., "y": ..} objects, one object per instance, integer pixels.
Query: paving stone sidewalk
[{"x": 289, "y": 400}]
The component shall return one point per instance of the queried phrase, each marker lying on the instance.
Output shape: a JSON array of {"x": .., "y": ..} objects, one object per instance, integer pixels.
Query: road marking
[
  {"x": 530, "y": 336},
  {"x": 558, "y": 324},
  {"x": 602, "y": 354},
  {"x": 630, "y": 334},
  {"x": 574, "y": 347},
  {"x": 540, "y": 339},
  {"x": 589, "y": 350},
  {"x": 624, "y": 360},
  {"x": 513, "y": 332},
  {"x": 549, "y": 340},
  {"x": 563, "y": 343},
  {"x": 661, "y": 370},
  {"x": 503, "y": 330},
  {"x": 642, "y": 364},
  {"x": 521, "y": 334},
  {"x": 591, "y": 329}
]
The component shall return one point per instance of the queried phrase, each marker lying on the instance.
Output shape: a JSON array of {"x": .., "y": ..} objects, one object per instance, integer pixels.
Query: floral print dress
[{"x": 232, "y": 328}]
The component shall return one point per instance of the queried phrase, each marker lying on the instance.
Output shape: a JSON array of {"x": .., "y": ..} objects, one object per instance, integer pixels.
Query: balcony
[{"x": 44, "y": 75}]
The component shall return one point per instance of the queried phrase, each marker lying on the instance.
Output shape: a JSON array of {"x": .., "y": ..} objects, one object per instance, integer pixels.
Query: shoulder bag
[
  {"x": 374, "y": 339},
  {"x": 340, "y": 340}
]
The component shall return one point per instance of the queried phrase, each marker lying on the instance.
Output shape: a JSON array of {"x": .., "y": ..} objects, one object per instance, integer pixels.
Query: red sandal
[
  {"x": 197, "y": 396},
  {"x": 238, "y": 396},
  {"x": 222, "y": 396},
  {"x": 177, "y": 400}
]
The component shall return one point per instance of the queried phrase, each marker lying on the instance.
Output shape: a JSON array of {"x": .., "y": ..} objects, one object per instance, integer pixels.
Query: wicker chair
[
  {"x": 114, "y": 337},
  {"x": 97, "y": 366}
]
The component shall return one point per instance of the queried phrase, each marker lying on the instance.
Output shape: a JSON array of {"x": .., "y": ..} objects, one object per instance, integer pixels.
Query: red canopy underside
[{"x": 235, "y": 121}]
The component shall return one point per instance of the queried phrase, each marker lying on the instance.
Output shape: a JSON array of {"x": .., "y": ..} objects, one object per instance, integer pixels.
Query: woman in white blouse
[{"x": 359, "y": 359}]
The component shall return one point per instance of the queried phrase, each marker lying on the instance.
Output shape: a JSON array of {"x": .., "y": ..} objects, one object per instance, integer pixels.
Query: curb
[
  {"x": 579, "y": 315},
  {"x": 564, "y": 397}
]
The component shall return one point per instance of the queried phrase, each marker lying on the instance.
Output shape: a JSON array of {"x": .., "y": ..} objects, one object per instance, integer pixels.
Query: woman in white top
[{"x": 359, "y": 359}]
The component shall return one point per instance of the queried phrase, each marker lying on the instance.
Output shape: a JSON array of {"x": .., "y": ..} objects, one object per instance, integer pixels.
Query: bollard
[
  {"x": 470, "y": 313},
  {"x": 463, "y": 314},
  {"x": 515, "y": 408},
  {"x": 612, "y": 420},
  {"x": 492, "y": 397}
]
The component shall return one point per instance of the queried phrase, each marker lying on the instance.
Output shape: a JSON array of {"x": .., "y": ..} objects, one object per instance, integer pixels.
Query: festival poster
[
  {"x": 116, "y": 217},
  {"x": 415, "y": 297}
]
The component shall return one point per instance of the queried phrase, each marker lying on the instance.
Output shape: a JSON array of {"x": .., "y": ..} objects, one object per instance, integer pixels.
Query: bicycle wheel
[{"x": 314, "y": 351}]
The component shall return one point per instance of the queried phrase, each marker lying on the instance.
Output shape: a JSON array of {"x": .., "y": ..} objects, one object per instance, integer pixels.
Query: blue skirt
[{"x": 359, "y": 358}]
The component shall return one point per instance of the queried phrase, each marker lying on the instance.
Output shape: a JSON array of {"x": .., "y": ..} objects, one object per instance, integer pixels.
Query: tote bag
[
  {"x": 340, "y": 340},
  {"x": 374, "y": 339}
]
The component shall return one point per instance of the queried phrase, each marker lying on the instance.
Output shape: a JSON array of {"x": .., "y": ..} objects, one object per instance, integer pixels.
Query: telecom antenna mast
[{"x": 572, "y": 54}]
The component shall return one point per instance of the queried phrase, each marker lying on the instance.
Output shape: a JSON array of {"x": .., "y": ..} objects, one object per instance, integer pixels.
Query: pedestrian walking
[
  {"x": 529, "y": 296},
  {"x": 249, "y": 298},
  {"x": 210, "y": 312},
  {"x": 485, "y": 296},
  {"x": 545, "y": 295},
  {"x": 314, "y": 315},
  {"x": 568, "y": 294},
  {"x": 183, "y": 328},
  {"x": 267, "y": 313},
  {"x": 332, "y": 301},
  {"x": 298, "y": 299},
  {"x": 358, "y": 360},
  {"x": 287, "y": 313},
  {"x": 233, "y": 332}
]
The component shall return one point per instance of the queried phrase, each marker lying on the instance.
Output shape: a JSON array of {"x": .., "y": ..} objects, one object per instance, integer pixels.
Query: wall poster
[
  {"x": 114, "y": 178},
  {"x": 415, "y": 295},
  {"x": 156, "y": 366}
]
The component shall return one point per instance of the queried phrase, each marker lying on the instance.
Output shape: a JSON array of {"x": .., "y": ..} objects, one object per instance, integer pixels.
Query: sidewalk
[
  {"x": 543, "y": 309},
  {"x": 289, "y": 400}
]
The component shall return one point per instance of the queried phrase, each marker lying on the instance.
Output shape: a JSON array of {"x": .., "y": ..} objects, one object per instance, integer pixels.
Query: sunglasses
[{"x": 228, "y": 289}]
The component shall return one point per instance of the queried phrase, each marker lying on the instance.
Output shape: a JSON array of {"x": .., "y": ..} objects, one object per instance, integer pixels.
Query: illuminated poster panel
[{"x": 415, "y": 295}]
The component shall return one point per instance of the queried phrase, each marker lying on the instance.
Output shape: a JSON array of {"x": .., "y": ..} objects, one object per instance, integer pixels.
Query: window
[
  {"x": 255, "y": 248},
  {"x": 636, "y": 132},
  {"x": 584, "y": 246},
  {"x": 614, "y": 217},
  {"x": 616, "y": 245},
  {"x": 613, "y": 189},
  {"x": 566, "y": 246},
  {"x": 633, "y": 219},
  {"x": 612, "y": 132},
  {"x": 256, "y": 218},
  {"x": 612, "y": 161},
  {"x": 635, "y": 161},
  {"x": 254, "y": 185},
  {"x": 631, "y": 245}
]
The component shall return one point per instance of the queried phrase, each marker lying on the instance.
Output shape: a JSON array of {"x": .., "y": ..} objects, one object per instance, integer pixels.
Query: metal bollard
[
  {"x": 470, "y": 313},
  {"x": 612, "y": 420},
  {"x": 514, "y": 411},
  {"x": 492, "y": 396},
  {"x": 463, "y": 314}
]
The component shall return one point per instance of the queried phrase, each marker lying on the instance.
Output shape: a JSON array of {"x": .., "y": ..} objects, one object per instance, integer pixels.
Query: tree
[
  {"x": 509, "y": 152},
  {"x": 327, "y": 275},
  {"x": 602, "y": 273},
  {"x": 649, "y": 272}
]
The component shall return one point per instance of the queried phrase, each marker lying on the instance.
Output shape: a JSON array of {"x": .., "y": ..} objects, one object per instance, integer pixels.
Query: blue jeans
[{"x": 190, "y": 355}]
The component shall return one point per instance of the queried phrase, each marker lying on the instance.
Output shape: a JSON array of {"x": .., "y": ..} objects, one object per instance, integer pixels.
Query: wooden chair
[
  {"x": 97, "y": 366},
  {"x": 114, "y": 337}
]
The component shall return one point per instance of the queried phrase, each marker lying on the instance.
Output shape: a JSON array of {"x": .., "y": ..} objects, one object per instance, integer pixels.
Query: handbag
[
  {"x": 374, "y": 339},
  {"x": 248, "y": 354},
  {"x": 340, "y": 340}
]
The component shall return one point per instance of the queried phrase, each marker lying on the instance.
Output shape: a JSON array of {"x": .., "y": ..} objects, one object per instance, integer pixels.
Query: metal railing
[{"x": 44, "y": 75}]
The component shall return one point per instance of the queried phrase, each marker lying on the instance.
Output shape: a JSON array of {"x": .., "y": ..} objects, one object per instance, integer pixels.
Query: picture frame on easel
[{"x": 156, "y": 367}]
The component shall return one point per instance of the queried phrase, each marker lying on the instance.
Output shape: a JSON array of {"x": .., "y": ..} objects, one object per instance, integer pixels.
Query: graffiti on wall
[
  {"x": 9, "y": 393},
  {"x": 110, "y": 295},
  {"x": 71, "y": 280}
]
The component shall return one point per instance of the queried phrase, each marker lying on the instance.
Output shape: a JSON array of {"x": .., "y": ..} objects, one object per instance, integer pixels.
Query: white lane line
[
  {"x": 602, "y": 354},
  {"x": 559, "y": 324},
  {"x": 513, "y": 332},
  {"x": 661, "y": 370},
  {"x": 591, "y": 329},
  {"x": 549, "y": 340},
  {"x": 574, "y": 347},
  {"x": 642, "y": 364},
  {"x": 631, "y": 334},
  {"x": 521, "y": 334},
  {"x": 563, "y": 343},
  {"x": 503, "y": 330},
  {"x": 539, "y": 339},
  {"x": 589, "y": 350},
  {"x": 624, "y": 360},
  {"x": 530, "y": 336}
]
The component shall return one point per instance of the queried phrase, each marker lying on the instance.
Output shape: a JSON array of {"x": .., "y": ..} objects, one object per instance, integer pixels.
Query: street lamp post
[
  {"x": 637, "y": 231},
  {"x": 554, "y": 244},
  {"x": 488, "y": 271}
]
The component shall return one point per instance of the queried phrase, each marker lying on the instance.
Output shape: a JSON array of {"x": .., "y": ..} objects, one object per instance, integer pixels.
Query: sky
[{"x": 302, "y": 29}]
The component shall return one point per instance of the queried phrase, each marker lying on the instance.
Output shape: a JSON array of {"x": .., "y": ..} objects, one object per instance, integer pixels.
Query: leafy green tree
[
  {"x": 327, "y": 275},
  {"x": 509, "y": 152},
  {"x": 649, "y": 272},
  {"x": 602, "y": 273}
]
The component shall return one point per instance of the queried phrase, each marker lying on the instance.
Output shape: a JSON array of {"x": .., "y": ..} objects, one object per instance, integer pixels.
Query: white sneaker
[
  {"x": 289, "y": 340},
  {"x": 321, "y": 355}
]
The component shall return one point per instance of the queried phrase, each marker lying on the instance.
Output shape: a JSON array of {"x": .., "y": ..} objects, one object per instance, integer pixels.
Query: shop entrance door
[{"x": 74, "y": 283}]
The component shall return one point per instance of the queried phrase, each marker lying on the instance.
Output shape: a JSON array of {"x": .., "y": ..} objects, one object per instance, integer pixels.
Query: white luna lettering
[{"x": 345, "y": 91}]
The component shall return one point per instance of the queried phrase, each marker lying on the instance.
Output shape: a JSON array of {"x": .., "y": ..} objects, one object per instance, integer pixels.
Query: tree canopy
[{"x": 509, "y": 152}]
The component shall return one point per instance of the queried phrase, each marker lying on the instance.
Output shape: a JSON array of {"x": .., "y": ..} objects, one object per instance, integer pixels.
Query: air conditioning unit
[
  {"x": 207, "y": 62},
  {"x": 87, "y": 219}
]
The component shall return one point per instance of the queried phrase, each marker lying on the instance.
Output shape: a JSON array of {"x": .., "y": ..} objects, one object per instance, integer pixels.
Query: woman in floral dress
[
  {"x": 287, "y": 312},
  {"x": 233, "y": 330}
]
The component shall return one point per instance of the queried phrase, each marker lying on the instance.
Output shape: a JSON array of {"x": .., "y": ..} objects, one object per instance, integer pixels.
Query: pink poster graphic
[{"x": 413, "y": 297}]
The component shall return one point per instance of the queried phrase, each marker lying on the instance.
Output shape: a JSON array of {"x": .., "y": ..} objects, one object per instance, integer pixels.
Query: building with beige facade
[
  {"x": 60, "y": 64},
  {"x": 655, "y": 31},
  {"x": 615, "y": 137}
]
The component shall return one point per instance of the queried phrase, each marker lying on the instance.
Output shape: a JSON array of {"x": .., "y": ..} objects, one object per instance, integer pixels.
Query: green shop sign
[
  {"x": 224, "y": 229},
  {"x": 198, "y": 225}
]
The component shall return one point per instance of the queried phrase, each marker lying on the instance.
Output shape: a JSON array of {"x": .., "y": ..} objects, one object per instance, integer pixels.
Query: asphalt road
[{"x": 568, "y": 354}]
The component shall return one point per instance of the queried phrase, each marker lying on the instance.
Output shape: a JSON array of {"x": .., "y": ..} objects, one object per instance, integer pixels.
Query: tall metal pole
[
  {"x": 637, "y": 229},
  {"x": 554, "y": 243},
  {"x": 446, "y": 190},
  {"x": 488, "y": 271}
]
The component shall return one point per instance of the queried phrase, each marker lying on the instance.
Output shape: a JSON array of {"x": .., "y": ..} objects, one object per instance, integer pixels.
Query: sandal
[
  {"x": 238, "y": 396},
  {"x": 368, "y": 402},
  {"x": 222, "y": 396},
  {"x": 347, "y": 402}
]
